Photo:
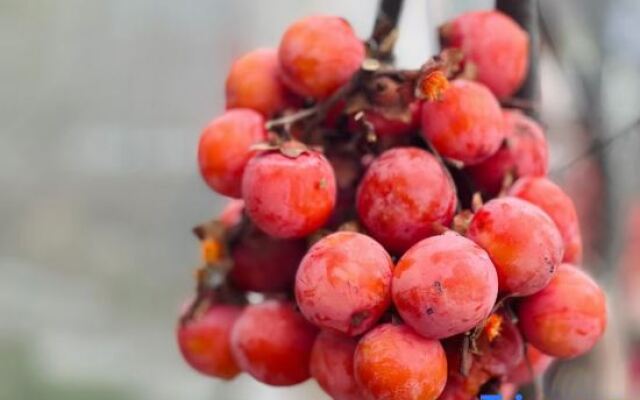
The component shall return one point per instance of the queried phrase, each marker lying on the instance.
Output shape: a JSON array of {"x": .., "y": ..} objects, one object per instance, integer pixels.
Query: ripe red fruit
[
  {"x": 344, "y": 283},
  {"x": 225, "y": 149},
  {"x": 495, "y": 44},
  {"x": 559, "y": 206},
  {"x": 205, "y": 341},
  {"x": 524, "y": 153},
  {"x": 272, "y": 342},
  {"x": 332, "y": 365},
  {"x": 501, "y": 354},
  {"x": 522, "y": 241},
  {"x": 539, "y": 362},
  {"x": 566, "y": 318},
  {"x": 232, "y": 213},
  {"x": 289, "y": 197},
  {"x": 254, "y": 82},
  {"x": 392, "y": 362},
  {"x": 384, "y": 126},
  {"x": 262, "y": 263},
  {"x": 404, "y": 197},
  {"x": 466, "y": 124},
  {"x": 444, "y": 285},
  {"x": 318, "y": 54}
]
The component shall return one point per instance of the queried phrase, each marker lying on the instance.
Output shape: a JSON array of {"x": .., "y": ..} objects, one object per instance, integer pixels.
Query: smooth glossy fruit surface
[
  {"x": 272, "y": 342},
  {"x": 524, "y": 153},
  {"x": 444, "y": 285},
  {"x": 466, "y": 124},
  {"x": 254, "y": 82},
  {"x": 566, "y": 318},
  {"x": 344, "y": 283},
  {"x": 392, "y": 362},
  {"x": 558, "y": 205},
  {"x": 404, "y": 197},
  {"x": 318, "y": 54},
  {"x": 289, "y": 197},
  {"x": 522, "y": 241},
  {"x": 225, "y": 149},
  {"x": 205, "y": 341},
  {"x": 495, "y": 44},
  {"x": 332, "y": 365}
]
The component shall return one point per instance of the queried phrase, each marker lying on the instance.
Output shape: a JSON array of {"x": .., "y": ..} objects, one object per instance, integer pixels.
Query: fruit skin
[
  {"x": 496, "y": 45},
  {"x": 494, "y": 359},
  {"x": 344, "y": 283},
  {"x": 392, "y": 362},
  {"x": 231, "y": 213},
  {"x": 524, "y": 153},
  {"x": 204, "y": 341},
  {"x": 225, "y": 149},
  {"x": 384, "y": 126},
  {"x": 262, "y": 263},
  {"x": 566, "y": 318},
  {"x": 539, "y": 361},
  {"x": 254, "y": 82},
  {"x": 522, "y": 241},
  {"x": 332, "y": 365},
  {"x": 466, "y": 124},
  {"x": 558, "y": 205},
  {"x": 444, "y": 285},
  {"x": 403, "y": 197},
  {"x": 318, "y": 54},
  {"x": 272, "y": 342},
  {"x": 289, "y": 197}
]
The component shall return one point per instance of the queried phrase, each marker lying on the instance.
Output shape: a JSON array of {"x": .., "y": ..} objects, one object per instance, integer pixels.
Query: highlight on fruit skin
[
  {"x": 566, "y": 318},
  {"x": 495, "y": 44},
  {"x": 319, "y": 54},
  {"x": 522, "y": 241},
  {"x": 225, "y": 148},
  {"x": 444, "y": 285},
  {"x": 344, "y": 283},
  {"x": 392, "y": 362}
]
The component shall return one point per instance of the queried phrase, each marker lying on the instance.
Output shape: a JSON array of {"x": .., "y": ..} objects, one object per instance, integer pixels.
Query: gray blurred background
[{"x": 101, "y": 104}]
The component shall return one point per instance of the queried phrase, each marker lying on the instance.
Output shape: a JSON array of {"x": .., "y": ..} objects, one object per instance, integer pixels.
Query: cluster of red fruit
[{"x": 383, "y": 274}]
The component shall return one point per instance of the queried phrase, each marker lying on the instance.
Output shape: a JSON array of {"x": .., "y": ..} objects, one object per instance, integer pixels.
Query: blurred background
[{"x": 101, "y": 104}]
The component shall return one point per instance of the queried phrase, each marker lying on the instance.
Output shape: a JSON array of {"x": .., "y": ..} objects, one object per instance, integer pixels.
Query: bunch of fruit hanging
[{"x": 392, "y": 233}]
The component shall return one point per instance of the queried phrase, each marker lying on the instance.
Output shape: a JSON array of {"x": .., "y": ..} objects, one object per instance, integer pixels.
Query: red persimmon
[{"x": 344, "y": 283}]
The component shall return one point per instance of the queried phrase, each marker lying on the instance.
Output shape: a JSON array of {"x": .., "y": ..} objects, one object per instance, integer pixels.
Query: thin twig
[{"x": 597, "y": 145}]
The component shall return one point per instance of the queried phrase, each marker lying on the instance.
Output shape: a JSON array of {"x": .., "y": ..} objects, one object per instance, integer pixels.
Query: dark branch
[
  {"x": 384, "y": 33},
  {"x": 525, "y": 13}
]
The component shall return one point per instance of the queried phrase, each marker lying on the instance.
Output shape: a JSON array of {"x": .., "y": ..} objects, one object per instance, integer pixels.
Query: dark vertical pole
[
  {"x": 525, "y": 13},
  {"x": 384, "y": 33}
]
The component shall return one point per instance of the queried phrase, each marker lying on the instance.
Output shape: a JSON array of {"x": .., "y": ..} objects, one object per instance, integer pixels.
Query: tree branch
[{"x": 525, "y": 13}]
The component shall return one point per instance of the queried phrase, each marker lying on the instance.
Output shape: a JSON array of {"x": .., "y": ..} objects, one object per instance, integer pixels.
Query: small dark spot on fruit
[
  {"x": 430, "y": 311},
  {"x": 438, "y": 287},
  {"x": 358, "y": 318}
]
